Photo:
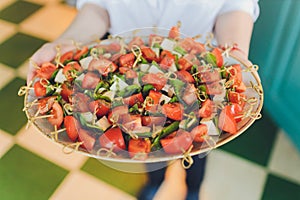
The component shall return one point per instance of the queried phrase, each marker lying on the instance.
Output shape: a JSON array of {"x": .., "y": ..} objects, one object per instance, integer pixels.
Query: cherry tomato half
[
  {"x": 72, "y": 127},
  {"x": 157, "y": 80},
  {"x": 112, "y": 138},
  {"x": 173, "y": 111},
  {"x": 226, "y": 121},
  {"x": 57, "y": 115},
  {"x": 46, "y": 70},
  {"x": 87, "y": 139},
  {"x": 199, "y": 132},
  {"x": 178, "y": 142},
  {"x": 139, "y": 146}
]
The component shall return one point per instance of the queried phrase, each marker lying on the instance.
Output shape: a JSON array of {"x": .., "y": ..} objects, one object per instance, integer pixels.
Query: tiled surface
[
  {"x": 260, "y": 164},
  {"x": 60, "y": 16},
  {"x": 256, "y": 144},
  {"x": 224, "y": 169},
  {"x": 18, "y": 11},
  {"x": 33, "y": 176},
  {"x": 12, "y": 118},
  {"x": 16, "y": 49}
]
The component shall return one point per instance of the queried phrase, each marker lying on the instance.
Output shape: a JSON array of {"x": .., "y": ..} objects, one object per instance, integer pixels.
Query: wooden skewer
[
  {"x": 76, "y": 146},
  {"x": 187, "y": 160},
  {"x": 42, "y": 117}
]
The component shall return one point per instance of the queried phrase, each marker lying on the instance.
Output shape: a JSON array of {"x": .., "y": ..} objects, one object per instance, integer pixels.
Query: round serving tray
[{"x": 254, "y": 91}]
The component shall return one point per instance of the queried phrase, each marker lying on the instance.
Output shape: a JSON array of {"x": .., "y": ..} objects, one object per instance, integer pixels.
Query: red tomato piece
[
  {"x": 185, "y": 76},
  {"x": 236, "y": 72},
  {"x": 45, "y": 104},
  {"x": 187, "y": 61},
  {"x": 177, "y": 143},
  {"x": 57, "y": 115},
  {"x": 240, "y": 86},
  {"x": 139, "y": 146},
  {"x": 112, "y": 138},
  {"x": 184, "y": 64},
  {"x": 154, "y": 97},
  {"x": 236, "y": 97},
  {"x": 66, "y": 92},
  {"x": 103, "y": 66},
  {"x": 167, "y": 59},
  {"x": 151, "y": 120},
  {"x": 99, "y": 106},
  {"x": 226, "y": 121},
  {"x": 133, "y": 99},
  {"x": 127, "y": 60},
  {"x": 199, "y": 132},
  {"x": 173, "y": 111},
  {"x": 90, "y": 80},
  {"x": 71, "y": 69},
  {"x": 219, "y": 58},
  {"x": 174, "y": 32},
  {"x": 81, "y": 52},
  {"x": 68, "y": 56},
  {"x": 157, "y": 80},
  {"x": 40, "y": 88},
  {"x": 236, "y": 111},
  {"x": 136, "y": 41},
  {"x": 46, "y": 70},
  {"x": 123, "y": 70},
  {"x": 87, "y": 139},
  {"x": 206, "y": 109},
  {"x": 149, "y": 54},
  {"x": 72, "y": 127}
]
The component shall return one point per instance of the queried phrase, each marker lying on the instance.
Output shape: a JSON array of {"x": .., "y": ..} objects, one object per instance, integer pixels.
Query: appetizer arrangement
[{"x": 144, "y": 98}]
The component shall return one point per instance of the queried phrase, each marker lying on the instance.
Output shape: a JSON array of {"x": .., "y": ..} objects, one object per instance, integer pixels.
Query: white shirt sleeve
[
  {"x": 80, "y": 3},
  {"x": 248, "y": 6}
]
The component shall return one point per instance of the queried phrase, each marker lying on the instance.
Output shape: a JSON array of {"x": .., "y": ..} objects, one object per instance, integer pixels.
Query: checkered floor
[{"x": 260, "y": 164}]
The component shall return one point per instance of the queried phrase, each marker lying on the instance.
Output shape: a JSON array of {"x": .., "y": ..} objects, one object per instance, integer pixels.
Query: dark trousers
[{"x": 194, "y": 178}]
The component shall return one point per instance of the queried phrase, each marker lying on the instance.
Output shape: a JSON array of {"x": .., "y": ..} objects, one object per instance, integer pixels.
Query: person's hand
[{"x": 46, "y": 53}]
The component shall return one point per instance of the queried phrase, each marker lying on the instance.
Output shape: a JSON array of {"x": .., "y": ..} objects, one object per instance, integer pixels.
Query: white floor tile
[
  {"x": 78, "y": 185},
  {"x": 9, "y": 75},
  {"x": 6, "y": 142},
  {"x": 35, "y": 141},
  {"x": 49, "y": 22},
  {"x": 5, "y": 3},
  {"x": 7, "y": 29},
  {"x": 285, "y": 159},
  {"x": 229, "y": 177}
]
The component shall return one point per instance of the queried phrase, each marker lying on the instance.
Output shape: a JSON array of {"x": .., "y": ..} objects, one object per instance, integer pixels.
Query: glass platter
[{"x": 252, "y": 109}]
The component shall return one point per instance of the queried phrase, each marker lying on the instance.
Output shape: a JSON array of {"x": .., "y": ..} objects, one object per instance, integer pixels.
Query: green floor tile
[
  {"x": 18, "y": 48},
  {"x": 280, "y": 189},
  {"x": 128, "y": 182},
  {"x": 12, "y": 118},
  {"x": 24, "y": 175},
  {"x": 257, "y": 142},
  {"x": 18, "y": 11}
]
